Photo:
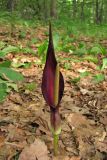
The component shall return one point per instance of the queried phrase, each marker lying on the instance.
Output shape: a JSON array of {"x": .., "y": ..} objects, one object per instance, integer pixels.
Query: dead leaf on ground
[
  {"x": 15, "y": 97},
  {"x": 6, "y": 151},
  {"x": 15, "y": 134},
  {"x": 76, "y": 120},
  {"x": 66, "y": 158},
  {"x": 37, "y": 150},
  {"x": 2, "y": 140},
  {"x": 75, "y": 158},
  {"x": 102, "y": 146},
  {"x": 86, "y": 91},
  {"x": 61, "y": 157},
  {"x": 83, "y": 131},
  {"x": 30, "y": 71}
]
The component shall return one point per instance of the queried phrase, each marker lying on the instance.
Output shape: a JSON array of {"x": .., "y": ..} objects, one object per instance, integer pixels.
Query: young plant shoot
[{"x": 52, "y": 89}]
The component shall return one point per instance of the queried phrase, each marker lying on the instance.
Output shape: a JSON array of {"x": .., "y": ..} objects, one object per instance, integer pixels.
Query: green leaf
[
  {"x": 95, "y": 50},
  {"x": 82, "y": 45},
  {"x": 3, "y": 94},
  {"x": 2, "y": 44},
  {"x": 84, "y": 74},
  {"x": 5, "y": 64},
  {"x": 98, "y": 49},
  {"x": 98, "y": 78},
  {"x": 34, "y": 40},
  {"x": 22, "y": 35},
  {"x": 12, "y": 85},
  {"x": 27, "y": 50},
  {"x": 81, "y": 51},
  {"x": 42, "y": 48},
  {"x": 9, "y": 85},
  {"x": 9, "y": 74},
  {"x": 8, "y": 50},
  {"x": 91, "y": 58},
  {"x": 104, "y": 63},
  {"x": 75, "y": 80},
  {"x": 31, "y": 86},
  {"x": 67, "y": 66}
]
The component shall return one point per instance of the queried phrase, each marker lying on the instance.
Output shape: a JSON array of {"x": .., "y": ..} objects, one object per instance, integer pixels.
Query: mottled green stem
[
  {"x": 56, "y": 137},
  {"x": 55, "y": 128}
]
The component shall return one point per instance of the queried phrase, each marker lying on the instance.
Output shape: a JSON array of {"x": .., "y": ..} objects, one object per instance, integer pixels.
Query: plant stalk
[
  {"x": 56, "y": 137},
  {"x": 56, "y": 99}
]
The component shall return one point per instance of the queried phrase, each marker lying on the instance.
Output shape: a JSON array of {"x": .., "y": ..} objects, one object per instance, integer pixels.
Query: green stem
[{"x": 56, "y": 137}]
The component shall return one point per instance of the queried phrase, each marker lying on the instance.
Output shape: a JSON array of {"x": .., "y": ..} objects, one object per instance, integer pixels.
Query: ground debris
[{"x": 37, "y": 150}]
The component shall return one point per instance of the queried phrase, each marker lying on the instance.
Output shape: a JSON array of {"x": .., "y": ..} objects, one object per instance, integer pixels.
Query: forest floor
[{"x": 24, "y": 115}]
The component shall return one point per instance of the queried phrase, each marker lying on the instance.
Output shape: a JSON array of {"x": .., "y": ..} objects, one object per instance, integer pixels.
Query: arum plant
[{"x": 52, "y": 90}]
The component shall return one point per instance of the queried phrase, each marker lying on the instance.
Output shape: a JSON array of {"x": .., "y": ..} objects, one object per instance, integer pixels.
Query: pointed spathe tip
[{"x": 50, "y": 33}]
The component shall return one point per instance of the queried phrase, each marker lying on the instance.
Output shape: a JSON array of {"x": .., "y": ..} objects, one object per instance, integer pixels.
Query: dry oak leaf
[
  {"x": 36, "y": 151},
  {"x": 76, "y": 120}
]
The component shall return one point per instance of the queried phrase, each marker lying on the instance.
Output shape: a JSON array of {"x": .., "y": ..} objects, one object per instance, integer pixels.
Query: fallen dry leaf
[
  {"x": 24, "y": 114},
  {"x": 76, "y": 120},
  {"x": 2, "y": 140},
  {"x": 75, "y": 158},
  {"x": 66, "y": 158},
  {"x": 6, "y": 151},
  {"x": 15, "y": 97},
  {"x": 61, "y": 157},
  {"x": 102, "y": 146},
  {"x": 36, "y": 151}
]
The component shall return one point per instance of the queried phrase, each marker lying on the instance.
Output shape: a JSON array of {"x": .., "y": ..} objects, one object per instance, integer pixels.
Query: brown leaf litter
[{"x": 24, "y": 116}]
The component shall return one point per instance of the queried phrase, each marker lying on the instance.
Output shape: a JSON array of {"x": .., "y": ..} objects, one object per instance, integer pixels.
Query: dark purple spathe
[{"x": 49, "y": 75}]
